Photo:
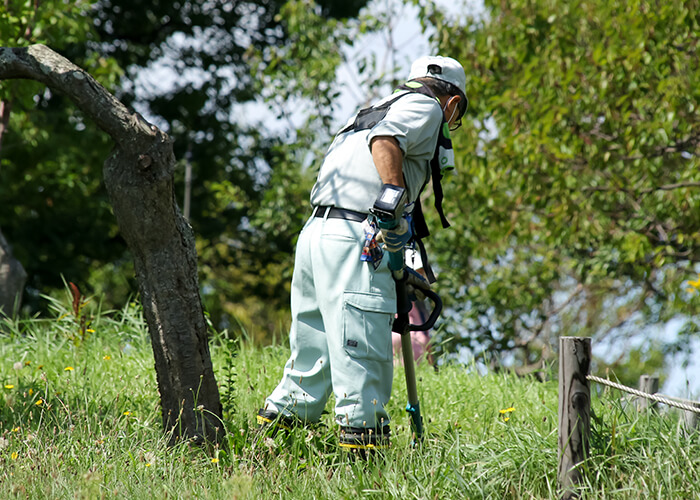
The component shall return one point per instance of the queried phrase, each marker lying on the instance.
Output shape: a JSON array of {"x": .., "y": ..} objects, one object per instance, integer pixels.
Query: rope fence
[
  {"x": 683, "y": 404},
  {"x": 574, "y": 433}
]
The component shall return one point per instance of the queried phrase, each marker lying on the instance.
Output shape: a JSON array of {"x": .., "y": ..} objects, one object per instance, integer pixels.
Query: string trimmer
[{"x": 388, "y": 210}]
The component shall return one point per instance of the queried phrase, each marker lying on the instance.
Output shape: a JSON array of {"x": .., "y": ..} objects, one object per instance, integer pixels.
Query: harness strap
[
  {"x": 435, "y": 169},
  {"x": 367, "y": 118},
  {"x": 420, "y": 231}
]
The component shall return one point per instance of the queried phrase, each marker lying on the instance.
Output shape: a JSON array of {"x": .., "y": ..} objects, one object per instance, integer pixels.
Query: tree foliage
[
  {"x": 55, "y": 211},
  {"x": 575, "y": 205},
  {"x": 198, "y": 70}
]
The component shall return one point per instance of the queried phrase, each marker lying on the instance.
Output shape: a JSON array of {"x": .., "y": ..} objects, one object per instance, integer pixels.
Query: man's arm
[{"x": 388, "y": 159}]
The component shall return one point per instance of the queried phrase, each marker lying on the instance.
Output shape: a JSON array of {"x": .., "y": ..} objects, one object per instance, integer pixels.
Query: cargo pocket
[{"x": 367, "y": 319}]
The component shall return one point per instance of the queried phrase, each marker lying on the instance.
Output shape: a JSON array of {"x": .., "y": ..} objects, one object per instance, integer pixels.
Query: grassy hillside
[{"x": 79, "y": 418}]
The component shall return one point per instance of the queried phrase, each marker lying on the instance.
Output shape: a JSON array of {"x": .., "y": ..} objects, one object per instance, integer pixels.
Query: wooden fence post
[
  {"x": 690, "y": 420},
  {"x": 650, "y": 385},
  {"x": 574, "y": 411}
]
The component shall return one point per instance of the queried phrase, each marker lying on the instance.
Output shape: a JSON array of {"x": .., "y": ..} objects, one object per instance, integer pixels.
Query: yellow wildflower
[
  {"x": 31, "y": 391},
  {"x": 39, "y": 402},
  {"x": 505, "y": 413},
  {"x": 696, "y": 283},
  {"x": 215, "y": 460},
  {"x": 27, "y": 363},
  {"x": 14, "y": 455},
  {"x": 68, "y": 369},
  {"x": 107, "y": 357},
  {"x": 148, "y": 464},
  {"x": 693, "y": 286},
  {"x": 9, "y": 386},
  {"x": 127, "y": 413},
  {"x": 15, "y": 429}
]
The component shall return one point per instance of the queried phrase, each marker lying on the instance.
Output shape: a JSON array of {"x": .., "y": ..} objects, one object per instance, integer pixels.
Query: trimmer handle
[
  {"x": 396, "y": 259},
  {"x": 434, "y": 315}
]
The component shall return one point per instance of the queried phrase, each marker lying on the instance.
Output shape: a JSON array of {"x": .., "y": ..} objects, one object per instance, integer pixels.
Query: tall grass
[{"x": 80, "y": 418}]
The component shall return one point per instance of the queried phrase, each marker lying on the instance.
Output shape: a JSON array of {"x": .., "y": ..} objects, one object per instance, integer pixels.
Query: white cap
[{"x": 441, "y": 68}]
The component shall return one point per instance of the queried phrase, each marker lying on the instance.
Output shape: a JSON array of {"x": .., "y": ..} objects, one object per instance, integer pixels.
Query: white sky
[
  {"x": 406, "y": 39},
  {"x": 680, "y": 381}
]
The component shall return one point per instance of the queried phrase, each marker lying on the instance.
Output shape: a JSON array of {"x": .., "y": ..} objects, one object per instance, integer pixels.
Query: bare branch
[
  {"x": 665, "y": 187},
  {"x": 551, "y": 314},
  {"x": 670, "y": 187}
]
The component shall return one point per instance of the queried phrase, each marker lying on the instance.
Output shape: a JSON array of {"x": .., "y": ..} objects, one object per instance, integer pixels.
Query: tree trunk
[
  {"x": 139, "y": 179},
  {"x": 12, "y": 274},
  {"x": 12, "y": 279}
]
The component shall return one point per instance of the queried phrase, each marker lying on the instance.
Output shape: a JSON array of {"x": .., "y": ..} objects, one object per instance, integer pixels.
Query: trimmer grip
[
  {"x": 434, "y": 315},
  {"x": 396, "y": 259}
]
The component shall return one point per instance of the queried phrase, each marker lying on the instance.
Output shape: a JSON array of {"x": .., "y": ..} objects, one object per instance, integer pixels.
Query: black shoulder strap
[
  {"x": 420, "y": 231},
  {"x": 420, "y": 227},
  {"x": 435, "y": 170},
  {"x": 369, "y": 117}
]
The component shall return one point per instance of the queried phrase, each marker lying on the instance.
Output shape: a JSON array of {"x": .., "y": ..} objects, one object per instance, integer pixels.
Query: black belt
[{"x": 338, "y": 213}]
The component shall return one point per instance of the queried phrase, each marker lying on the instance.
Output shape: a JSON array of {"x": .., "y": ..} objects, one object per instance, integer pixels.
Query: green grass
[{"x": 80, "y": 418}]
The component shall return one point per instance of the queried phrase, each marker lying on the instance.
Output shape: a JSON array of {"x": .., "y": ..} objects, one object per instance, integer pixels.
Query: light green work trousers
[{"x": 340, "y": 337}]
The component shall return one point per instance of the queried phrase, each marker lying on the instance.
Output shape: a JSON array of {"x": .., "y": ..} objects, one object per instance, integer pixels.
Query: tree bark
[
  {"x": 4, "y": 118},
  {"x": 12, "y": 279},
  {"x": 12, "y": 274},
  {"x": 139, "y": 179}
]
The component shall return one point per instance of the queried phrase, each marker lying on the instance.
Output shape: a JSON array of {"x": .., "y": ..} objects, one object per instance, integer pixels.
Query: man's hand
[
  {"x": 395, "y": 239},
  {"x": 415, "y": 282}
]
